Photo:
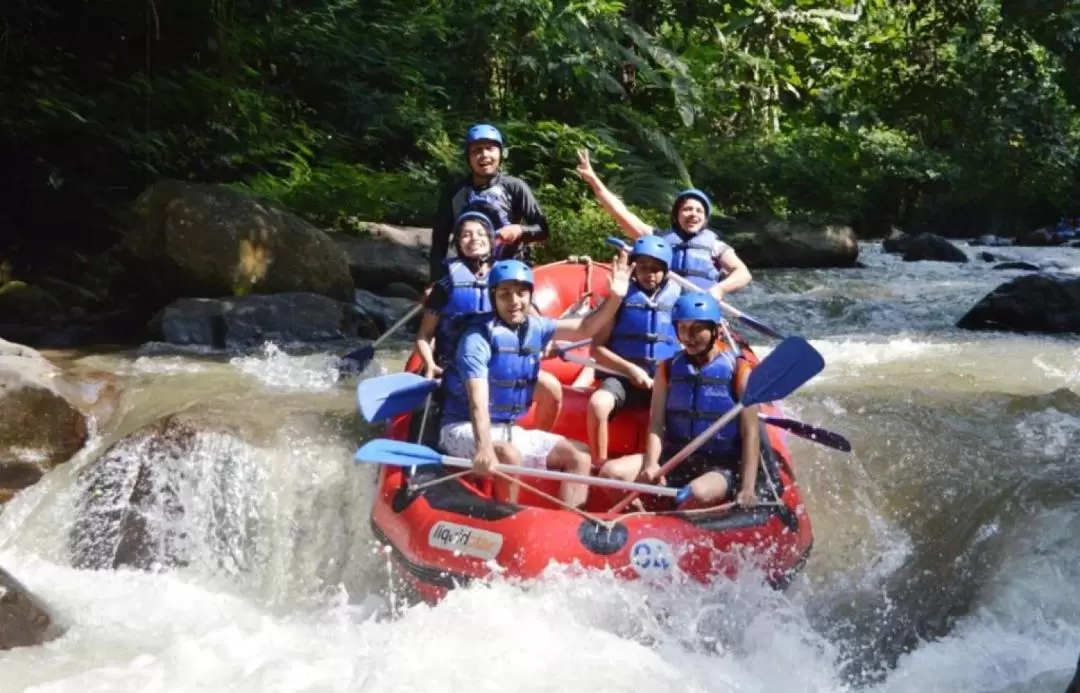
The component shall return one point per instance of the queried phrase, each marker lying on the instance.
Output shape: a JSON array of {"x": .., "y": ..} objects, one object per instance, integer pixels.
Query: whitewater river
[{"x": 947, "y": 554}]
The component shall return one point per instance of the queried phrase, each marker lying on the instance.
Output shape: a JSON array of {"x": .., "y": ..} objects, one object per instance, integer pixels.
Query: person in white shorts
[{"x": 491, "y": 381}]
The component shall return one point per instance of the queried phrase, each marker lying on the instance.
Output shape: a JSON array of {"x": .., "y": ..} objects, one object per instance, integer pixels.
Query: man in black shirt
[{"x": 508, "y": 200}]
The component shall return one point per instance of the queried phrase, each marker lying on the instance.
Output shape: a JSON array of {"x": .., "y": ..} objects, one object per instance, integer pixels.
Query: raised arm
[{"x": 629, "y": 222}]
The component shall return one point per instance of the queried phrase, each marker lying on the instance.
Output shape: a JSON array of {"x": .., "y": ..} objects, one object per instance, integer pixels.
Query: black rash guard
[{"x": 510, "y": 197}]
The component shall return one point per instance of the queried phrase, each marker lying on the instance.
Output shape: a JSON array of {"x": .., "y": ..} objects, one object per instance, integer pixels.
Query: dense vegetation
[{"x": 954, "y": 115}]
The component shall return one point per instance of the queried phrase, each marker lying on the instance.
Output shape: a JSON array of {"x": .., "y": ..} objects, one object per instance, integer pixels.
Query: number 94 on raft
[{"x": 652, "y": 558}]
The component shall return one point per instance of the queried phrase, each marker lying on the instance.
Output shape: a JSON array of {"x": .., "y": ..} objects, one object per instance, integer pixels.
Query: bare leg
[
  {"x": 624, "y": 469},
  {"x": 711, "y": 488},
  {"x": 548, "y": 401},
  {"x": 573, "y": 457},
  {"x": 503, "y": 489},
  {"x": 597, "y": 416}
]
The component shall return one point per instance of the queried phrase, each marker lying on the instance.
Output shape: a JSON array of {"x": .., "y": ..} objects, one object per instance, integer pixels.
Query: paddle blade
[
  {"x": 356, "y": 361},
  {"x": 812, "y": 433},
  {"x": 617, "y": 242},
  {"x": 390, "y": 395},
  {"x": 396, "y": 453},
  {"x": 788, "y": 367}
]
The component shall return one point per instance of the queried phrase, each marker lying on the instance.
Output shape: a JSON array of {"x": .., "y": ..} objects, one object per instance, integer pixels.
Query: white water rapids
[{"x": 947, "y": 552}]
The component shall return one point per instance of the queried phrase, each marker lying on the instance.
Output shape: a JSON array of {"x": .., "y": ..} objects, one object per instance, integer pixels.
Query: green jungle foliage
[{"x": 957, "y": 116}]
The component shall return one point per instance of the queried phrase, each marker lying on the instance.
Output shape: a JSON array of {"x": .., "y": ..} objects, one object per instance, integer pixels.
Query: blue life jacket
[
  {"x": 692, "y": 258},
  {"x": 468, "y": 296},
  {"x": 512, "y": 371},
  {"x": 643, "y": 333},
  {"x": 696, "y": 399}
]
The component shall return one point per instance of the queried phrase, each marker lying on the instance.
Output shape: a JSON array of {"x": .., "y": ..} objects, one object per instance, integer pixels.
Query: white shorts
[{"x": 457, "y": 440}]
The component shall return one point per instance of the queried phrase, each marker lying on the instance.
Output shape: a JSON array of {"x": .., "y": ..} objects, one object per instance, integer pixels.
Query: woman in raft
[
  {"x": 698, "y": 254},
  {"x": 461, "y": 293},
  {"x": 691, "y": 390}
]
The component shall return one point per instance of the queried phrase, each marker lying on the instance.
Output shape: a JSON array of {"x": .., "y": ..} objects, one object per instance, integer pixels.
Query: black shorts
[
  {"x": 695, "y": 465},
  {"x": 624, "y": 393}
]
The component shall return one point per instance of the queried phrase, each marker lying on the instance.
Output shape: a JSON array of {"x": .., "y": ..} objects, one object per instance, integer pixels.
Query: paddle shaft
[
  {"x": 397, "y": 325},
  {"x": 463, "y": 463},
  {"x": 690, "y": 449}
]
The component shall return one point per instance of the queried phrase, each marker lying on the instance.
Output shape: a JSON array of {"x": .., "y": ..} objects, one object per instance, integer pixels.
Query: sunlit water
[{"x": 947, "y": 552}]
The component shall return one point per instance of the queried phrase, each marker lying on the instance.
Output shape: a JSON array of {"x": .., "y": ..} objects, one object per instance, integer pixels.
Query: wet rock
[
  {"x": 134, "y": 503},
  {"x": 780, "y": 243},
  {"x": 1016, "y": 266},
  {"x": 895, "y": 242},
  {"x": 211, "y": 241},
  {"x": 386, "y": 311},
  {"x": 1040, "y": 238},
  {"x": 401, "y": 290},
  {"x": 45, "y": 414},
  {"x": 410, "y": 236},
  {"x": 1032, "y": 303},
  {"x": 1074, "y": 685},
  {"x": 25, "y": 621},
  {"x": 376, "y": 262},
  {"x": 237, "y": 323},
  {"x": 928, "y": 246}
]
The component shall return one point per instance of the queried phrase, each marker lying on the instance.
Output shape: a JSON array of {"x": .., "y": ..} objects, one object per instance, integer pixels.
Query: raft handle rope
[{"x": 606, "y": 524}]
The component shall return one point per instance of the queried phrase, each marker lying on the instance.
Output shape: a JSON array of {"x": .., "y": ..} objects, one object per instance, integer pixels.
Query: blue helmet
[
  {"x": 654, "y": 247},
  {"x": 483, "y": 131},
  {"x": 697, "y": 195},
  {"x": 474, "y": 215},
  {"x": 509, "y": 271},
  {"x": 696, "y": 306}
]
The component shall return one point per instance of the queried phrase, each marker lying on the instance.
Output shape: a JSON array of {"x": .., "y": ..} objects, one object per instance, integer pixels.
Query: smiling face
[
  {"x": 512, "y": 300},
  {"x": 648, "y": 272},
  {"x": 696, "y": 336},
  {"x": 484, "y": 158},
  {"x": 473, "y": 239},
  {"x": 691, "y": 215}
]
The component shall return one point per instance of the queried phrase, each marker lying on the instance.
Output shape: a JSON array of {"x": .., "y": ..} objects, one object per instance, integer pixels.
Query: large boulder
[
  {"x": 376, "y": 262},
  {"x": 132, "y": 502},
  {"x": 929, "y": 246},
  {"x": 45, "y": 414},
  {"x": 1031, "y": 303},
  {"x": 779, "y": 243},
  {"x": 25, "y": 620},
  {"x": 211, "y": 241},
  {"x": 247, "y": 321}
]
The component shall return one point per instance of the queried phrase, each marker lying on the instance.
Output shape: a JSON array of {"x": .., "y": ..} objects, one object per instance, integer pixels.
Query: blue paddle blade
[
  {"x": 388, "y": 396},
  {"x": 791, "y": 363},
  {"x": 396, "y": 453},
  {"x": 811, "y": 433},
  {"x": 356, "y": 361},
  {"x": 617, "y": 242}
]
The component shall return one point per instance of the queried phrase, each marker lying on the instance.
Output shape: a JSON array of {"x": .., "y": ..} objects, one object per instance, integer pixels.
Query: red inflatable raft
[{"x": 453, "y": 532}]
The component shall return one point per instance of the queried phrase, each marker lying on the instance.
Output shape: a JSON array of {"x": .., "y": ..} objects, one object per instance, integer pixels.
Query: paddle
[
  {"x": 401, "y": 454},
  {"x": 748, "y": 320},
  {"x": 360, "y": 358},
  {"x": 792, "y": 363},
  {"x": 387, "y": 396},
  {"x": 811, "y": 433},
  {"x": 803, "y": 430}
]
